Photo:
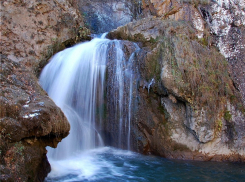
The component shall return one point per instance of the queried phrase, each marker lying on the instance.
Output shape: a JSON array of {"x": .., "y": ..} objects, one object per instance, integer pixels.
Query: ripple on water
[{"x": 109, "y": 165}]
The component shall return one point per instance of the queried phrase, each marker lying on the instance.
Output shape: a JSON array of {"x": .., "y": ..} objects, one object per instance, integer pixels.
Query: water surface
[
  {"x": 108, "y": 164},
  {"x": 76, "y": 80}
]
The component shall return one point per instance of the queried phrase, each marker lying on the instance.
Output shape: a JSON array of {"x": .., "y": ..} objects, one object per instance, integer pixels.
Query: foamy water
[{"x": 75, "y": 80}]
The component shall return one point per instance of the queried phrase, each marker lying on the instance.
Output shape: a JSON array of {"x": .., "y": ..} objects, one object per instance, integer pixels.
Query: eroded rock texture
[
  {"x": 226, "y": 20},
  {"x": 34, "y": 30},
  {"x": 104, "y": 15},
  {"x": 31, "y": 32},
  {"x": 29, "y": 122},
  {"x": 193, "y": 110},
  {"x": 223, "y": 19}
]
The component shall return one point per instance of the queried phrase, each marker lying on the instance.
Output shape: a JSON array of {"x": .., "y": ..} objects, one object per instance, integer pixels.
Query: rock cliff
[
  {"x": 104, "y": 15},
  {"x": 196, "y": 108},
  {"x": 193, "y": 110},
  {"x": 31, "y": 32},
  {"x": 29, "y": 122},
  {"x": 224, "y": 20}
]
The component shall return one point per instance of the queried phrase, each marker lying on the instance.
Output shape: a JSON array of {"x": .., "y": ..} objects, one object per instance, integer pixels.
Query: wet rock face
[
  {"x": 121, "y": 93},
  {"x": 223, "y": 19},
  {"x": 29, "y": 122},
  {"x": 189, "y": 112}
]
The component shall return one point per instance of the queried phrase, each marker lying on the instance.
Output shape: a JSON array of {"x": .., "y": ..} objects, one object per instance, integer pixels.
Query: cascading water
[
  {"x": 122, "y": 83},
  {"x": 75, "y": 80},
  {"x": 82, "y": 80}
]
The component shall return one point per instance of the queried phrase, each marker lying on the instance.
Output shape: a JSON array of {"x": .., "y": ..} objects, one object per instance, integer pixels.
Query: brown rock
[
  {"x": 194, "y": 125},
  {"x": 31, "y": 32},
  {"x": 29, "y": 122},
  {"x": 32, "y": 29}
]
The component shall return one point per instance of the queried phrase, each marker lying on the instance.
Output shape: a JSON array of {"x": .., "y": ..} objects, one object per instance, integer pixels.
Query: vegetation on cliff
[{"x": 201, "y": 99}]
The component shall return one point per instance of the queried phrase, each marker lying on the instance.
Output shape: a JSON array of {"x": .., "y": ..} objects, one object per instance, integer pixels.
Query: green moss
[
  {"x": 203, "y": 41},
  {"x": 197, "y": 2},
  {"x": 161, "y": 109},
  {"x": 153, "y": 66},
  {"x": 219, "y": 125},
  {"x": 55, "y": 47},
  {"x": 19, "y": 148},
  {"x": 232, "y": 98},
  {"x": 155, "y": 69},
  {"x": 152, "y": 40},
  {"x": 139, "y": 38},
  {"x": 200, "y": 73},
  {"x": 227, "y": 115}
]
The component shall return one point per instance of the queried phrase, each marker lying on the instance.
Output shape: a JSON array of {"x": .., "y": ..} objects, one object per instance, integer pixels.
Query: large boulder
[
  {"x": 31, "y": 32},
  {"x": 225, "y": 20},
  {"x": 29, "y": 122},
  {"x": 193, "y": 110}
]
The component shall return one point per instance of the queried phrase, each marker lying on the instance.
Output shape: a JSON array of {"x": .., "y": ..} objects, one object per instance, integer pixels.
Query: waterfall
[
  {"x": 76, "y": 80},
  {"x": 95, "y": 84},
  {"x": 122, "y": 87}
]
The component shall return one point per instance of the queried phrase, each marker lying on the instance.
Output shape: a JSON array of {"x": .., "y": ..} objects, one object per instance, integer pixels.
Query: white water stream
[{"x": 75, "y": 80}]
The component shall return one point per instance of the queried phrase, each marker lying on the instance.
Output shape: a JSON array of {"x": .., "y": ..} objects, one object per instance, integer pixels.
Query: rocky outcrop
[
  {"x": 198, "y": 95},
  {"x": 193, "y": 111},
  {"x": 223, "y": 19},
  {"x": 226, "y": 20},
  {"x": 29, "y": 122},
  {"x": 31, "y": 32},
  {"x": 104, "y": 15}
]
